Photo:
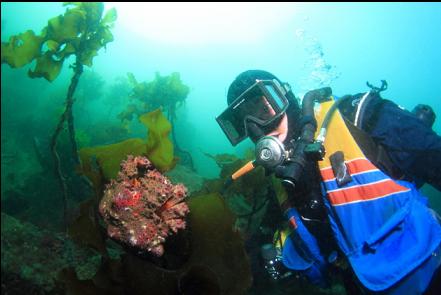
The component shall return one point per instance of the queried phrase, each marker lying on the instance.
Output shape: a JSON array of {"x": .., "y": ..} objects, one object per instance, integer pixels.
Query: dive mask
[{"x": 261, "y": 104}]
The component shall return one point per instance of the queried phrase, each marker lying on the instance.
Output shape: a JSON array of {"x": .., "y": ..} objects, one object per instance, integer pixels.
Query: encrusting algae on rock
[{"x": 142, "y": 207}]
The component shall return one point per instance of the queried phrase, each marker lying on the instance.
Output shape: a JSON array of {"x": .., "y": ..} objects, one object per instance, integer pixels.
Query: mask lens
[
  {"x": 258, "y": 109},
  {"x": 277, "y": 97}
]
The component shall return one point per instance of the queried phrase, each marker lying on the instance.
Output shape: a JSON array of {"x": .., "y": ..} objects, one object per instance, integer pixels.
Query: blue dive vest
[{"x": 383, "y": 226}]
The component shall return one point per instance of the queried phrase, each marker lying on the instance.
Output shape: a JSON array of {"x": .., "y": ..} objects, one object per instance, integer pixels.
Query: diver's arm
[{"x": 412, "y": 146}]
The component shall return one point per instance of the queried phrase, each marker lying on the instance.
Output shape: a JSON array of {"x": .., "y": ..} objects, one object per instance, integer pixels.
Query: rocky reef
[{"x": 142, "y": 207}]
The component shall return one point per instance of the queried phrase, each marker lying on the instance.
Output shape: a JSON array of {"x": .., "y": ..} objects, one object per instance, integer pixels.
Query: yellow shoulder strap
[{"x": 338, "y": 137}]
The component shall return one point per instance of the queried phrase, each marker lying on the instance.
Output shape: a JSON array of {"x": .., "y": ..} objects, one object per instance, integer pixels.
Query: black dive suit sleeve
[{"x": 412, "y": 146}]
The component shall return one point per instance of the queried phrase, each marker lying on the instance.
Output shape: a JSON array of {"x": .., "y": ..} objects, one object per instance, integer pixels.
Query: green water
[{"x": 341, "y": 45}]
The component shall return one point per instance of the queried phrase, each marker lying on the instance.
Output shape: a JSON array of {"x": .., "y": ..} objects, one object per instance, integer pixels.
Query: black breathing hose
[{"x": 293, "y": 169}]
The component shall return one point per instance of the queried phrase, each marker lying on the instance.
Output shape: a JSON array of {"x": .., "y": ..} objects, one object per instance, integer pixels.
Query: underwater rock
[
  {"x": 142, "y": 207},
  {"x": 32, "y": 257}
]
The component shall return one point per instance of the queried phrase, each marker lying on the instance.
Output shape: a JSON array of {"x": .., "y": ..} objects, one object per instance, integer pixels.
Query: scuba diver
[{"x": 348, "y": 167}]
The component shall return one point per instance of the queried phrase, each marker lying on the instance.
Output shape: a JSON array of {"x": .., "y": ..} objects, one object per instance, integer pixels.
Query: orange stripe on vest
[
  {"x": 366, "y": 192},
  {"x": 354, "y": 167}
]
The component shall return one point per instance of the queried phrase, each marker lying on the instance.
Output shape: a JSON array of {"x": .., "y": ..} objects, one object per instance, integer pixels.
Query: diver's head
[
  {"x": 257, "y": 105},
  {"x": 425, "y": 113}
]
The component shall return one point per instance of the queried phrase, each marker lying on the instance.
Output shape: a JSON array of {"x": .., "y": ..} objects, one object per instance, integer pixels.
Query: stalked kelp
[
  {"x": 80, "y": 32},
  {"x": 101, "y": 163},
  {"x": 165, "y": 92},
  {"x": 141, "y": 208}
]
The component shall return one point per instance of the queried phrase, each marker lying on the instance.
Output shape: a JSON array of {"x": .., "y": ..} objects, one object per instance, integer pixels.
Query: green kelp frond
[
  {"x": 167, "y": 91},
  {"x": 81, "y": 30},
  {"x": 21, "y": 49},
  {"x": 159, "y": 146},
  {"x": 47, "y": 67}
]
